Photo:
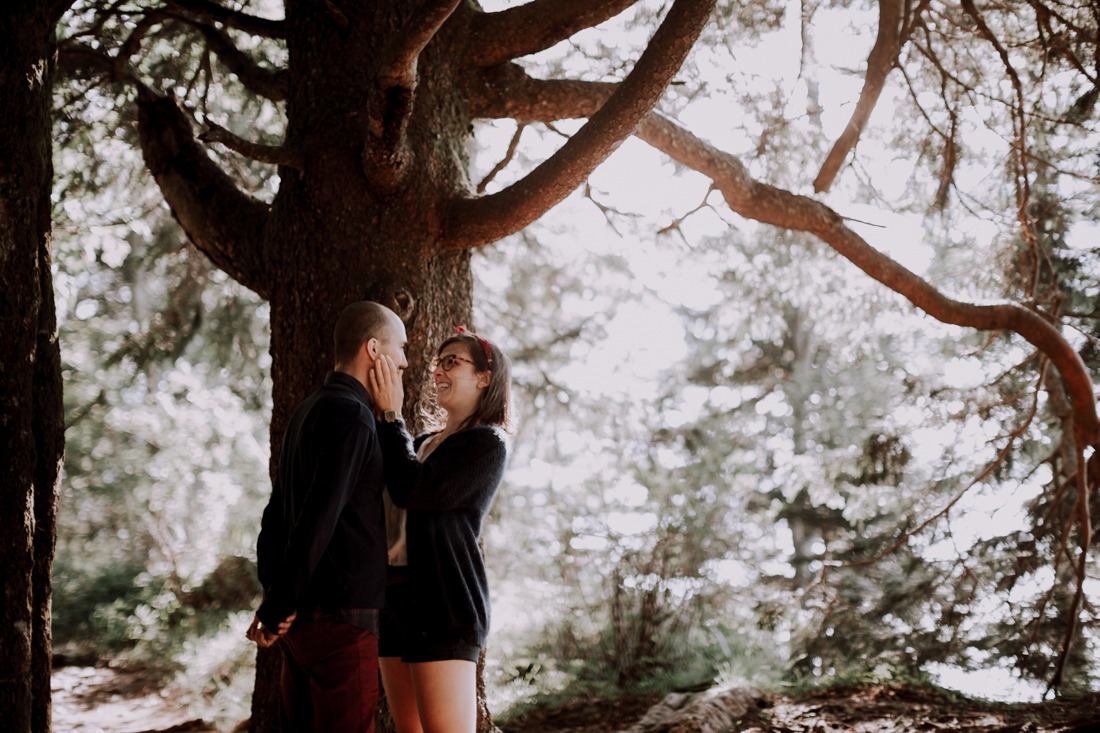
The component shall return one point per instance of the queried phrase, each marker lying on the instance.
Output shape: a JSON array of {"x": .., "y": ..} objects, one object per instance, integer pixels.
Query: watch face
[{"x": 389, "y": 416}]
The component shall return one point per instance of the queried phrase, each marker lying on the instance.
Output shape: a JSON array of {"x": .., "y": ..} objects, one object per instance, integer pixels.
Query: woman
[{"x": 437, "y": 610}]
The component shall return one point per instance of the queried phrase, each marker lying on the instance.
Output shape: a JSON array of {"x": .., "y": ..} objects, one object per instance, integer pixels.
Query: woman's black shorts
[{"x": 399, "y": 635}]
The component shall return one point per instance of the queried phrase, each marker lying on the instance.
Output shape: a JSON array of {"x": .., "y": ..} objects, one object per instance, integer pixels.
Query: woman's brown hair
[{"x": 494, "y": 406}]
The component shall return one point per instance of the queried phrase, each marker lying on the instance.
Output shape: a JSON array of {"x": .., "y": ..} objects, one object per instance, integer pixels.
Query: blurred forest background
[{"x": 737, "y": 457}]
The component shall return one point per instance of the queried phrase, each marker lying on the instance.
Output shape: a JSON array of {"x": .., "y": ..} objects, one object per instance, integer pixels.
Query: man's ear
[{"x": 372, "y": 348}]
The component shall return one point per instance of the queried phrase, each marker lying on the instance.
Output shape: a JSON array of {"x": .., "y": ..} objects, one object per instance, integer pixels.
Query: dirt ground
[
  {"x": 104, "y": 700},
  {"x": 107, "y": 700},
  {"x": 858, "y": 710}
]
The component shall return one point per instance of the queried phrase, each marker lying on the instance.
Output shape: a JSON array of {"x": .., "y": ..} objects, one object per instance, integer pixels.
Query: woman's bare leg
[
  {"x": 446, "y": 694},
  {"x": 400, "y": 694}
]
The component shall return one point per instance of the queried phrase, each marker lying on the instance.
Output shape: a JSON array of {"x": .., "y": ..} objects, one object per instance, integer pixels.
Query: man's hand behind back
[{"x": 265, "y": 637}]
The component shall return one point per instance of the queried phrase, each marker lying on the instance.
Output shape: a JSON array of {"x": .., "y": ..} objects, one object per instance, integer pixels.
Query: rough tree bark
[{"x": 31, "y": 420}]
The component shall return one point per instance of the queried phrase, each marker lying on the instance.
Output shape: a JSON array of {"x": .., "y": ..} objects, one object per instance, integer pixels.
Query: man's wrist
[{"x": 390, "y": 416}]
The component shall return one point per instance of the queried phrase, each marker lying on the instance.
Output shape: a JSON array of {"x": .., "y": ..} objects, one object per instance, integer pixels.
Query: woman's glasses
[{"x": 447, "y": 363}]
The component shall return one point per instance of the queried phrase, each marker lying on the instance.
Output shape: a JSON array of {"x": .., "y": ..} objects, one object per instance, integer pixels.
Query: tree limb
[
  {"x": 269, "y": 83},
  {"x": 883, "y": 56},
  {"x": 476, "y": 221},
  {"x": 250, "y": 24},
  {"x": 536, "y": 26},
  {"x": 273, "y": 154},
  {"x": 527, "y": 100},
  {"x": 410, "y": 41},
  {"x": 78, "y": 60},
  {"x": 386, "y": 154},
  {"x": 225, "y": 224}
]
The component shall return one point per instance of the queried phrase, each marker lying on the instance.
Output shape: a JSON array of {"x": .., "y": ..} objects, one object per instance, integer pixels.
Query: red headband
[{"x": 483, "y": 342}]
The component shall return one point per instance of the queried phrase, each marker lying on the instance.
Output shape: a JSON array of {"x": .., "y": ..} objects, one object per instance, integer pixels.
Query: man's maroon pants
[{"x": 330, "y": 678}]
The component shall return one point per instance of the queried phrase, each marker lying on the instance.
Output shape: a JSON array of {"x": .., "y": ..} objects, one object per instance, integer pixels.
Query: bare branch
[
  {"x": 132, "y": 44},
  {"x": 504, "y": 161},
  {"x": 1084, "y": 523},
  {"x": 676, "y": 225},
  {"x": 224, "y": 223},
  {"x": 883, "y": 57},
  {"x": 81, "y": 60},
  {"x": 473, "y": 222},
  {"x": 273, "y": 154},
  {"x": 528, "y": 100},
  {"x": 1020, "y": 158},
  {"x": 212, "y": 11},
  {"x": 534, "y": 27},
  {"x": 1043, "y": 15},
  {"x": 609, "y": 213}
]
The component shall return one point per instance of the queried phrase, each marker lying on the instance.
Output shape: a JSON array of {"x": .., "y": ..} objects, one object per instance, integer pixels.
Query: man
[{"x": 322, "y": 544}]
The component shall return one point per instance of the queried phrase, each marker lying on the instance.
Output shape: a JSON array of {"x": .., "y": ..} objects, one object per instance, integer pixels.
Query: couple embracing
[{"x": 341, "y": 598}]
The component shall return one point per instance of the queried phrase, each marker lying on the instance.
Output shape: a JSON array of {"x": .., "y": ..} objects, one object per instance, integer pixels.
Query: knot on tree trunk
[{"x": 713, "y": 711}]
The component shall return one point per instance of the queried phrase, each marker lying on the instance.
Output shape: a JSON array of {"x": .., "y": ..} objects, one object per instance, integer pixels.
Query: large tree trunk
[
  {"x": 333, "y": 239},
  {"x": 31, "y": 421}
]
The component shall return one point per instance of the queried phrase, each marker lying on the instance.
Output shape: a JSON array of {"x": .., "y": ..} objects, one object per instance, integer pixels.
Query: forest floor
[{"x": 105, "y": 700}]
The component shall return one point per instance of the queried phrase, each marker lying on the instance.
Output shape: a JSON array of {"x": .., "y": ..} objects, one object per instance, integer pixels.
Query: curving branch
[
  {"x": 536, "y": 26},
  {"x": 214, "y": 12},
  {"x": 883, "y": 57},
  {"x": 386, "y": 154},
  {"x": 225, "y": 224},
  {"x": 269, "y": 83},
  {"x": 406, "y": 45},
  {"x": 527, "y": 100},
  {"x": 273, "y": 154},
  {"x": 471, "y": 222}
]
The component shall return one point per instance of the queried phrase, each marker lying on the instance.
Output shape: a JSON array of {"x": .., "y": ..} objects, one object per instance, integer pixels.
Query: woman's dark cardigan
[{"x": 447, "y": 497}]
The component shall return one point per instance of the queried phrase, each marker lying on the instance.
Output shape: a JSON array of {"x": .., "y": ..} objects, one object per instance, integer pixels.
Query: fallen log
[{"x": 716, "y": 710}]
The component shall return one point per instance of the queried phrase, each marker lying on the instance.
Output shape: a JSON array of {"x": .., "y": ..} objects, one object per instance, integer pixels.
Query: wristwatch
[{"x": 390, "y": 416}]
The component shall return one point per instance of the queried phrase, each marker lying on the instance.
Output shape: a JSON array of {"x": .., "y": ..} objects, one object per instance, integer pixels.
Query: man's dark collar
[{"x": 344, "y": 379}]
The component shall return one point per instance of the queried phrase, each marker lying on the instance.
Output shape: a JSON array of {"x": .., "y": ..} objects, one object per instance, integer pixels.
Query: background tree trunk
[{"x": 31, "y": 419}]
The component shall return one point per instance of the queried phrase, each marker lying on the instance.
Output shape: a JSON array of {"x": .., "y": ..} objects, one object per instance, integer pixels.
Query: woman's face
[{"x": 457, "y": 388}]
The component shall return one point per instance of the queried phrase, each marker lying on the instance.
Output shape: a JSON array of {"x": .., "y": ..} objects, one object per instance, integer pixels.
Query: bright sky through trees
[{"x": 637, "y": 192}]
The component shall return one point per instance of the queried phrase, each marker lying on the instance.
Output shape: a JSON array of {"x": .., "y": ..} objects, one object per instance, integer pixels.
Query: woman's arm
[{"x": 463, "y": 471}]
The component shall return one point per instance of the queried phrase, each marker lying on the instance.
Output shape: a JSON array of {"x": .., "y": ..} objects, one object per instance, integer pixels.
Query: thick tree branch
[
  {"x": 406, "y": 46},
  {"x": 225, "y": 224},
  {"x": 269, "y": 83},
  {"x": 883, "y": 56},
  {"x": 250, "y": 24},
  {"x": 385, "y": 154},
  {"x": 534, "y": 27},
  {"x": 528, "y": 100},
  {"x": 476, "y": 221},
  {"x": 273, "y": 154}
]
